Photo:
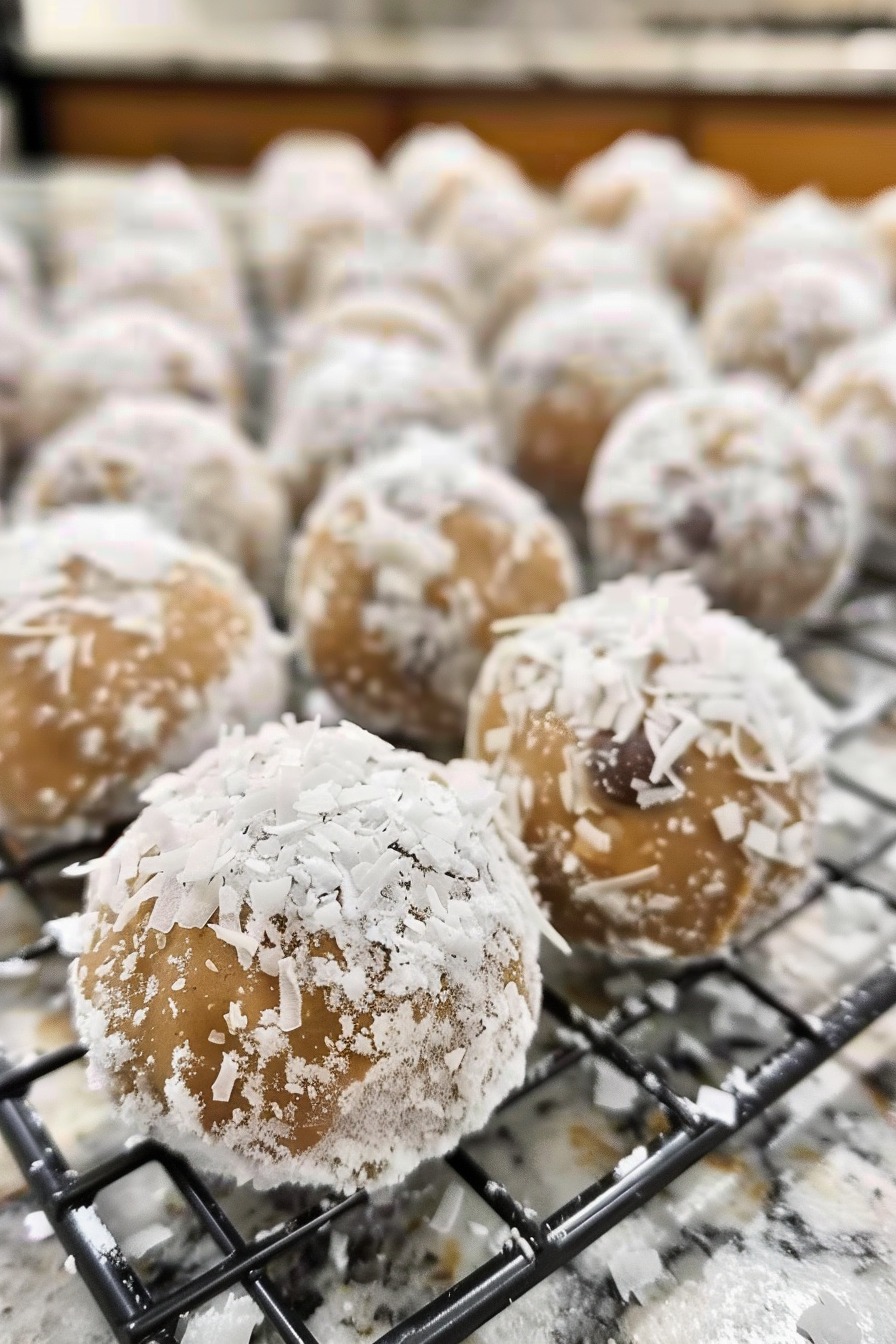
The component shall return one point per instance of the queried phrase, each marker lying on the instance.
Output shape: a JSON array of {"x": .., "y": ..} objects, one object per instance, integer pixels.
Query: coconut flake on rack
[{"x": 374, "y": 885}]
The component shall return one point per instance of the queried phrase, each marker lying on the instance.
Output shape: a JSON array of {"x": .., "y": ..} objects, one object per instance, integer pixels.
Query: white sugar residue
[
  {"x": 717, "y": 1105},
  {"x": 230, "y": 1322},
  {"x": 448, "y": 1211},
  {"x": 405, "y": 922},
  {"x": 634, "y": 1270},
  {"x": 94, "y": 1230},
  {"x": 37, "y": 1226},
  {"x": 146, "y": 1239},
  {"x": 630, "y": 1162}
]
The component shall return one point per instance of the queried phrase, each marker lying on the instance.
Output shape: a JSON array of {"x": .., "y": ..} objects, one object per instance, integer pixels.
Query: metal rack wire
[{"x": 536, "y": 1246}]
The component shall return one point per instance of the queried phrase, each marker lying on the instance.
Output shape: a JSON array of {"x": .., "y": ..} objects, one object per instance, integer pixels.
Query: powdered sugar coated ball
[
  {"x": 490, "y": 224},
  {"x": 299, "y": 218},
  {"x": 736, "y": 484},
  {"x": 782, "y": 321},
  {"x": 162, "y": 199},
  {"x": 133, "y": 347},
  {"x": 311, "y": 959},
  {"x": 400, "y": 571},
  {"x": 431, "y": 166},
  {"x": 662, "y": 762},
  {"x": 357, "y": 399},
  {"x": 377, "y": 314},
  {"x": 186, "y": 465},
  {"x": 393, "y": 263},
  {"x": 804, "y": 225},
  {"x": 684, "y": 222},
  {"x": 164, "y": 269},
  {"x": 570, "y": 260},
  {"x": 852, "y": 396},
  {"x": 566, "y": 368},
  {"x": 604, "y": 189},
  {"x": 124, "y": 650}
]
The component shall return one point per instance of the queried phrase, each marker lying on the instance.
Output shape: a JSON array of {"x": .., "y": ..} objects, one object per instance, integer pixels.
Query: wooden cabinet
[{"x": 846, "y": 145}]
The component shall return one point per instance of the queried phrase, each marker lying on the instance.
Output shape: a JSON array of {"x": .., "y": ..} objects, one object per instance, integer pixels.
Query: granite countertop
[{"x": 170, "y": 39}]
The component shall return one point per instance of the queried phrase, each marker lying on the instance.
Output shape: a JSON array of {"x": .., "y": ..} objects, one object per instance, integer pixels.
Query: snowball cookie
[
  {"x": 431, "y": 166},
  {"x": 400, "y": 571},
  {"x": 21, "y": 339},
  {"x": 570, "y": 260},
  {"x": 489, "y": 224},
  {"x": 780, "y": 323},
  {"x": 804, "y": 225},
  {"x": 852, "y": 395},
  {"x": 133, "y": 347},
  {"x": 357, "y": 399},
  {"x": 393, "y": 263},
  {"x": 124, "y": 649},
  {"x": 683, "y": 223},
  {"x": 16, "y": 268},
  {"x": 311, "y": 959},
  {"x": 184, "y": 464},
  {"x": 734, "y": 483},
  {"x": 164, "y": 199},
  {"x": 289, "y": 236},
  {"x": 292, "y": 159},
  {"x": 566, "y": 368},
  {"x": 379, "y": 315},
  {"x": 662, "y": 761},
  {"x": 604, "y": 189},
  {"x": 174, "y": 272}
]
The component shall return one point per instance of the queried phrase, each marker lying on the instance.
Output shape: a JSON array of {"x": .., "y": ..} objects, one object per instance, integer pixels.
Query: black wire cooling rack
[{"x": 535, "y": 1247}]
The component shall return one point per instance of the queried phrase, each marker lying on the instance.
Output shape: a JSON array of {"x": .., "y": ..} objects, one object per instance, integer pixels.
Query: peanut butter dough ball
[
  {"x": 400, "y": 571},
  {"x": 184, "y": 464},
  {"x": 736, "y": 484},
  {"x": 123, "y": 652},
  {"x": 312, "y": 196},
  {"x": 685, "y": 223},
  {"x": 174, "y": 272},
  {"x": 782, "y": 321},
  {"x": 852, "y": 396},
  {"x": 490, "y": 224},
  {"x": 804, "y": 225},
  {"x": 431, "y": 166},
  {"x": 135, "y": 348},
  {"x": 394, "y": 263},
  {"x": 570, "y": 260},
  {"x": 312, "y": 958},
  {"x": 378, "y": 315},
  {"x": 357, "y": 399},
  {"x": 662, "y": 762},
  {"x": 606, "y": 188},
  {"x": 567, "y": 367}
]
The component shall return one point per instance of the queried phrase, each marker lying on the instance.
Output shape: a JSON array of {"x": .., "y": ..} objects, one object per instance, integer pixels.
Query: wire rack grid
[{"x": 536, "y": 1246}]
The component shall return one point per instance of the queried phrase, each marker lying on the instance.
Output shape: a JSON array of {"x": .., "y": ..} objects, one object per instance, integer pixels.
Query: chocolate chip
[
  {"x": 696, "y": 527},
  {"x": 615, "y": 765}
]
